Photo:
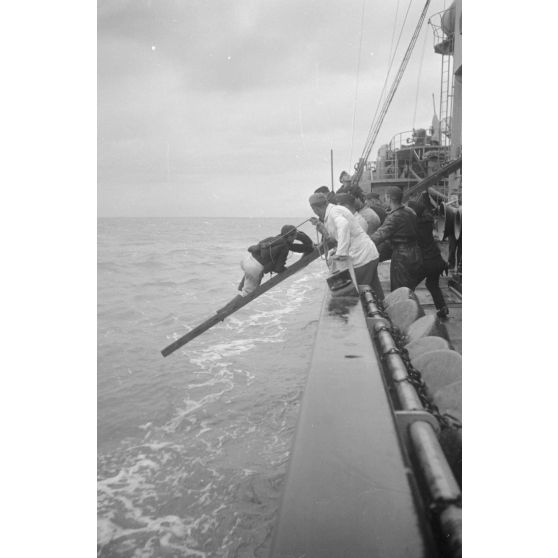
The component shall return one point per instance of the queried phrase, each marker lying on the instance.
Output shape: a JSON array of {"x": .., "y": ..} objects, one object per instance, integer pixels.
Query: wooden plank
[{"x": 214, "y": 320}]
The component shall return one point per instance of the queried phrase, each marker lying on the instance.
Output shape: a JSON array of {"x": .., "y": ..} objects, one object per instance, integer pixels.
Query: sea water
[{"x": 193, "y": 448}]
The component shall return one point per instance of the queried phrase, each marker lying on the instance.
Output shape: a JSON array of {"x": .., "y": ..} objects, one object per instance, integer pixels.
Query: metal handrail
[
  {"x": 443, "y": 490},
  {"x": 419, "y": 161}
]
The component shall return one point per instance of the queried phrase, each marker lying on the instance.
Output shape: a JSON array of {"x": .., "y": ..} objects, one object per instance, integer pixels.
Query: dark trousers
[
  {"x": 433, "y": 285},
  {"x": 431, "y": 270},
  {"x": 406, "y": 266},
  {"x": 454, "y": 257},
  {"x": 368, "y": 275}
]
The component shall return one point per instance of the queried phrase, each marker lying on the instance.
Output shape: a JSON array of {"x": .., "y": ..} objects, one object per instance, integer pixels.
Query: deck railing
[{"x": 411, "y": 155}]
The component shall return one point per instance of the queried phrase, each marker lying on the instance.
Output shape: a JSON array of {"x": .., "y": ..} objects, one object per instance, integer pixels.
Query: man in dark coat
[
  {"x": 272, "y": 252},
  {"x": 400, "y": 229},
  {"x": 433, "y": 264},
  {"x": 267, "y": 256}
]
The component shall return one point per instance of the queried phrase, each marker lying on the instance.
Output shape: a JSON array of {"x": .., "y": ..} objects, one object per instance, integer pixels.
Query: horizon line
[{"x": 195, "y": 216}]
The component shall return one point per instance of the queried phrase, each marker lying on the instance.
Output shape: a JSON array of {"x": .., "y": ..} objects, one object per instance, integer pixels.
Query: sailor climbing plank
[{"x": 269, "y": 256}]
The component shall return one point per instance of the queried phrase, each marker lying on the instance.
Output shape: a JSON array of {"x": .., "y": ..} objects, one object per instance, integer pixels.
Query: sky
[{"x": 230, "y": 108}]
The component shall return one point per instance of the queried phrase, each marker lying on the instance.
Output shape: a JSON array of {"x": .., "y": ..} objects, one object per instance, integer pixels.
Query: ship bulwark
[{"x": 348, "y": 491}]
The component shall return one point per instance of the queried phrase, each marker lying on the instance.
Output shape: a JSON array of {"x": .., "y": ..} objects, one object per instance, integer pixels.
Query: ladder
[{"x": 446, "y": 98}]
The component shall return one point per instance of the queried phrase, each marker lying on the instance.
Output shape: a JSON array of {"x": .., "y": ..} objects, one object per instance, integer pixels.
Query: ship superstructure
[{"x": 413, "y": 155}]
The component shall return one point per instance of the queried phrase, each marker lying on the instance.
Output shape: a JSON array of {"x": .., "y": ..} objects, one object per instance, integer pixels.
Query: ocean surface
[{"x": 193, "y": 448}]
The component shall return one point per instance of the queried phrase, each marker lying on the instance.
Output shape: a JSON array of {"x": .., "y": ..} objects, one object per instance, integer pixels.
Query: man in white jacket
[{"x": 353, "y": 244}]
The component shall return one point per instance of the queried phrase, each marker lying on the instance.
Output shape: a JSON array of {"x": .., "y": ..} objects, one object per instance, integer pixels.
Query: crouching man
[{"x": 268, "y": 256}]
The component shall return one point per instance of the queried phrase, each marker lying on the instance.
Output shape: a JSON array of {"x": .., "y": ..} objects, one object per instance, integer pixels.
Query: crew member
[
  {"x": 373, "y": 202},
  {"x": 454, "y": 257},
  {"x": 353, "y": 244},
  {"x": 347, "y": 200},
  {"x": 369, "y": 215},
  {"x": 325, "y": 190},
  {"x": 433, "y": 264},
  {"x": 400, "y": 228},
  {"x": 345, "y": 179},
  {"x": 269, "y": 255}
]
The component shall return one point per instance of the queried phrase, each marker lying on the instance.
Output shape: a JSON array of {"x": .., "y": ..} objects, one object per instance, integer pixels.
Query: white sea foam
[
  {"x": 220, "y": 351},
  {"x": 185, "y": 487},
  {"x": 125, "y": 519},
  {"x": 106, "y": 530},
  {"x": 193, "y": 405}
]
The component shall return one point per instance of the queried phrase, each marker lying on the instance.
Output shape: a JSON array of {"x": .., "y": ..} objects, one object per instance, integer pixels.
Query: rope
[
  {"x": 376, "y": 126},
  {"x": 296, "y": 227},
  {"x": 324, "y": 247},
  {"x": 393, "y": 33},
  {"x": 390, "y": 60},
  {"x": 357, "y": 78}
]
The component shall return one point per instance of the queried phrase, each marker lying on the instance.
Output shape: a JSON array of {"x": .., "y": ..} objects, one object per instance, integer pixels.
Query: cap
[
  {"x": 318, "y": 199},
  {"x": 287, "y": 229}
]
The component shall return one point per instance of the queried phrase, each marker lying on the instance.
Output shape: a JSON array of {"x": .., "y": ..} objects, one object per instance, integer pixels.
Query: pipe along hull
[{"x": 367, "y": 475}]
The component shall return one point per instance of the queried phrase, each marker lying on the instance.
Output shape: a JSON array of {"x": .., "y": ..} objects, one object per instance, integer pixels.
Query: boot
[{"x": 443, "y": 313}]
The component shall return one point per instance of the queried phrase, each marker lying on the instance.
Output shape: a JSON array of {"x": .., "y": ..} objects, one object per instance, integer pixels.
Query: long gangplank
[{"x": 210, "y": 322}]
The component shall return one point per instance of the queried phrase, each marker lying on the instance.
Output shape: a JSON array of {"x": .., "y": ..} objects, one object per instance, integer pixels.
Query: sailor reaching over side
[{"x": 352, "y": 242}]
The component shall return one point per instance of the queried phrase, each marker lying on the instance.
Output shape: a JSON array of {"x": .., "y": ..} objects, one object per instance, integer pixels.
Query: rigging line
[
  {"x": 391, "y": 57},
  {"x": 390, "y": 67},
  {"x": 393, "y": 32},
  {"x": 419, "y": 75},
  {"x": 357, "y": 78},
  {"x": 392, "y": 91},
  {"x": 388, "y": 73},
  {"x": 402, "y": 67},
  {"x": 392, "y": 54}
]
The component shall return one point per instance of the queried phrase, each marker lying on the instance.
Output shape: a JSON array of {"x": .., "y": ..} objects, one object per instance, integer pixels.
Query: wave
[{"x": 196, "y": 446}]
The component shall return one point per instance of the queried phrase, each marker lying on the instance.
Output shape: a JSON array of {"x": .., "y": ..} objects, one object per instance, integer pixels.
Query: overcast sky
[{"x": 230, "y": 108}]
